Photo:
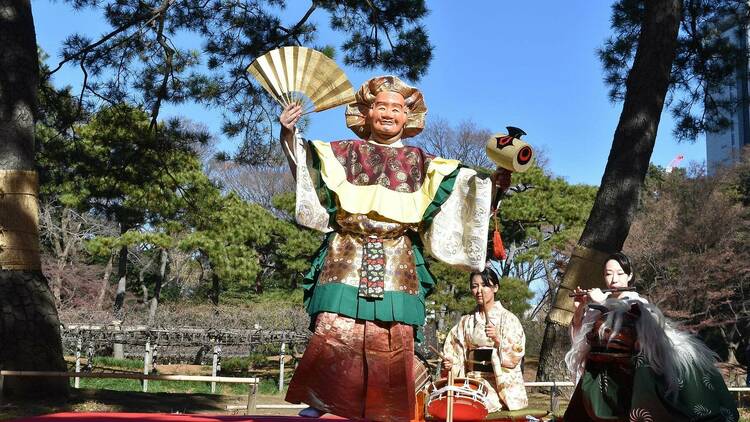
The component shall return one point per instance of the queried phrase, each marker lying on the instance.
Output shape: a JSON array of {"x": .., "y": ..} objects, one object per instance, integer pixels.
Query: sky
[{"x": 500, "y": 63}]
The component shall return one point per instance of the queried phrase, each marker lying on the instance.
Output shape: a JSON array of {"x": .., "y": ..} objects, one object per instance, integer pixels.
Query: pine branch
[{"x": 80, "y": 54}]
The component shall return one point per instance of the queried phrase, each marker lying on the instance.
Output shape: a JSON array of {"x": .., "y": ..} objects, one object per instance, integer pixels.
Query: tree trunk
[
  {"x": 259, "y": 282},
  {"x": 122, "y": 272},
  {"x": 57, "y": 284},
  {"x": 617, "y": 198},
  {"x": 61, "y": 250},
  {"x": 552, "y": 359},
  {"x": 163, "y": 273},
  {"x": 141, "y": 278},
  {"x": 105, "y": 282},
  {"x": 118, "y": 349},
  {"x": 29, "y": 325},
  {"x": 215, "y": 289}
]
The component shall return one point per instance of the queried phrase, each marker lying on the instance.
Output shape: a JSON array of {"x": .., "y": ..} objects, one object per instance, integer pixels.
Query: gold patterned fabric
[
  {"x": 457, "y": 234},
  {"x": 345, "y": 257}
]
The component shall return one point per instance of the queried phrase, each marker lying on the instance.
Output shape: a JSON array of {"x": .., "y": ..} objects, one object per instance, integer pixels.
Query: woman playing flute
[{"x": 632, "y": 364}]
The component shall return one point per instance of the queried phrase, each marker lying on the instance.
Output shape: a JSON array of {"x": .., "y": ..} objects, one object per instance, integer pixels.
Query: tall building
[{"x": 724, "y": 148}]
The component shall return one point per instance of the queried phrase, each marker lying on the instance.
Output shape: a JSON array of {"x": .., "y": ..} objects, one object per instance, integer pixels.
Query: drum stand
[{"x": 449, "y": 410}]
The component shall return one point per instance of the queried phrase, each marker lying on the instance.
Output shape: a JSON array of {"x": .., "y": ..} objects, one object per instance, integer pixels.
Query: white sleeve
[
  {"x": 309, "y": 212},
  {"x": 458, "y": 233}
]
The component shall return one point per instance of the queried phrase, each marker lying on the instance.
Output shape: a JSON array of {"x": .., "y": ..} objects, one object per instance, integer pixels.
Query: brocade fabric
[
  {"x": 458, "y": 233},
  {"x": 347, "y": 260},
  {"x": 357, "y": 369},
  {"x": 457, "y": 229},
  {"x": 367, "y": 163}
]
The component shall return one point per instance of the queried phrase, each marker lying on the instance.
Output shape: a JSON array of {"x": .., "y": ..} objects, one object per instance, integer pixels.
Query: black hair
[
  {"x": 489, "y": 278},
  {"x": 623, "y": 260}
]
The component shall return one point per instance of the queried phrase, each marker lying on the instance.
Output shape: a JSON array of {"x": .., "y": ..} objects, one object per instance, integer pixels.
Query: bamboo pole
[{"x": 449, "y": 408}]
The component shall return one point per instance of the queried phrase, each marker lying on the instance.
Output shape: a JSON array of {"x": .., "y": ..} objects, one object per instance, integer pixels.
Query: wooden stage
[{"x": 164, "y": 417}]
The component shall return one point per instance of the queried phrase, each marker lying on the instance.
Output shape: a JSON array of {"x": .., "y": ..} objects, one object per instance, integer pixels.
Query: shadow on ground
[{"x": 90, "y": 400}]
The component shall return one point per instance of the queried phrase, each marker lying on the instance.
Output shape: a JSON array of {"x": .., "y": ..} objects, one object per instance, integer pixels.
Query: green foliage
[
  {"x": 451, "y": 290},
  {"x": 244, "y": 241},
  {"x": 552, "y": 207},
  {"x": 514, "y": 294},
  {"x": 144, "y": 59},
  {"x": 539, "y": 224},
  {"x": 705, "y": 64},
  {"x": 240, "y": 366},
  {"x": 285, "y": 202},
  {"x": 111, "y": 362},
  {"x": 122, "y": 168},
  {"x": 453, "y": 294}
]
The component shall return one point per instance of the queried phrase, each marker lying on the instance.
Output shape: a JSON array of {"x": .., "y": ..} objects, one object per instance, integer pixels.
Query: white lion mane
[{"x": 671, "y": 353}]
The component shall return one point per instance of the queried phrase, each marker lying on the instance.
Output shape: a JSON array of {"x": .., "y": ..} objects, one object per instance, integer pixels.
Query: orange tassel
[{"x": 498, "y": 249}]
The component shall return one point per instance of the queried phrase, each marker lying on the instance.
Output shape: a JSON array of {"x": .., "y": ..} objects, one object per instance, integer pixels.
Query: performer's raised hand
[
  {"x": 447, "y": 363},
  {"x": 290, "y": 116},
  {"x": 501, "y": 178},
  {"x": 492, "y": 334},
  {"x": 597, "y": 295},
  {"x": 580, "y": 298}
]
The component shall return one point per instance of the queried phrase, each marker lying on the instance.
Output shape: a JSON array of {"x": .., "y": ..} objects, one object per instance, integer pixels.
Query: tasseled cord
[{"x": 498, "y": 249}]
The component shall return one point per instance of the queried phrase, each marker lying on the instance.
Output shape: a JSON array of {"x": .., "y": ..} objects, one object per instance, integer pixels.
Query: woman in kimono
[
  {"x": 382, "y": 205},
  {"x": 632, "y": 364},
  {"x": 491, "y": 352}
]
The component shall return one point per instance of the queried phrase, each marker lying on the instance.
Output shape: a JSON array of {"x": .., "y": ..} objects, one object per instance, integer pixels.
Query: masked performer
[
  {"x": 383, "y": 204},
  {"x": 631, "y": 364},
  {"x": 490, "y": 352}
]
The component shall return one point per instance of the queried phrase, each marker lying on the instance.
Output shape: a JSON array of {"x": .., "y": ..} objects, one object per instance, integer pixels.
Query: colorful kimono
[
  {"x": 383, "y": 208},
  {"x": 467, "y": 341},
  {"x": 618, "y": 383}
]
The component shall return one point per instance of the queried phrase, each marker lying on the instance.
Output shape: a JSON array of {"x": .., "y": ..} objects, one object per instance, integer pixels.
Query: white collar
[{"x": 397, "y": 144}]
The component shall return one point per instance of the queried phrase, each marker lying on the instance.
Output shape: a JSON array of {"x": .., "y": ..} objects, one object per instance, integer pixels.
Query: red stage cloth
[{"x": 161, "y": 417}]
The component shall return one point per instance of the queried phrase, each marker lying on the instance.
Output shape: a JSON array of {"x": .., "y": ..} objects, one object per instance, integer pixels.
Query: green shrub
[{"x": 117, "y": 363}]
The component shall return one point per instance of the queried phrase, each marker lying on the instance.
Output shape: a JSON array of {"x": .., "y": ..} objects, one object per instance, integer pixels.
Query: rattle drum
[
  {"x": 469, "y": 399},
  {"x": 510, "y": 152}
]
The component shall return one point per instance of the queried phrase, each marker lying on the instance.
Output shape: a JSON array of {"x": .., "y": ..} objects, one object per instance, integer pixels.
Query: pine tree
[
  {"x": 145, "y": 61},
  {"x": 29, "y": 325},
  {"x": 616, "y": 201}
]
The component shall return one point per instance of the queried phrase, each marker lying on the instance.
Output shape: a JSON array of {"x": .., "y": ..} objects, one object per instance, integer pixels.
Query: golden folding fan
[{"x": 300, "y": 75}]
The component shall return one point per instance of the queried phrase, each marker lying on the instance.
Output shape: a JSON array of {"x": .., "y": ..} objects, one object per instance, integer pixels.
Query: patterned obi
[
  {"x": 479, "y": 360},
  {"x": 373, "y": 255}
]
